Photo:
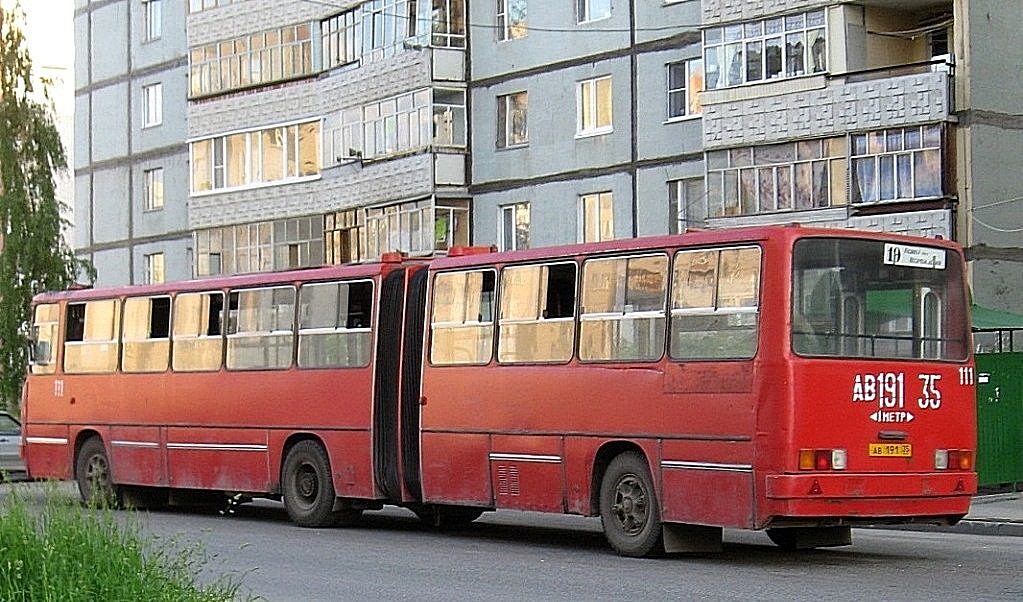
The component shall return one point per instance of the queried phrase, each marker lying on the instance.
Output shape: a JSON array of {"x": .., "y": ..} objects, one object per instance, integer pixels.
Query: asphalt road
[{"x": 527, "y": 556}]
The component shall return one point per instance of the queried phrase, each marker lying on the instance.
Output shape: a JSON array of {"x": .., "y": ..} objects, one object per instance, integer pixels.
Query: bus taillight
[
  {"x": 822, "y": 459},
  {"x": 953, "y": 459}
]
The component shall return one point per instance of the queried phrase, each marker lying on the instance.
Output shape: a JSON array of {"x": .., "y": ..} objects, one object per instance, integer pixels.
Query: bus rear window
[{"x": 865, "y": 298}]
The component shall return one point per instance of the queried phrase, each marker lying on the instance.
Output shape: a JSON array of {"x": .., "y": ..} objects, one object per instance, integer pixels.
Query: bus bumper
[{"x": 941, "y": 498}]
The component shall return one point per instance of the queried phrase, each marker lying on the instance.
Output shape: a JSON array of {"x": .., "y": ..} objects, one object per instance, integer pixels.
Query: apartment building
[
  {"x": 130, "y": 157},
  {"x": 325, "y": 131},
  {"x": 298, "y": 132},
  {"x": 595, "y": 119}
]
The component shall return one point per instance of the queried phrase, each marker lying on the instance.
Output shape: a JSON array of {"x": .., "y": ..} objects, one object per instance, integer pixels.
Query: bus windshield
[{"x": 875, "y": 299}]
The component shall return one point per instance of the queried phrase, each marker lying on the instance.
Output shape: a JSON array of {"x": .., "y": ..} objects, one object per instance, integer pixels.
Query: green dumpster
[{"x": 998, "y": 337}]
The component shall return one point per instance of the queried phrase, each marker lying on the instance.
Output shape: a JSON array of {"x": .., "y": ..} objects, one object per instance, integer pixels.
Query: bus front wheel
[
  {"x": 92, "y": 471},
  {"x": 308, "y": 486},
  {"x": 628, "y": 507}
]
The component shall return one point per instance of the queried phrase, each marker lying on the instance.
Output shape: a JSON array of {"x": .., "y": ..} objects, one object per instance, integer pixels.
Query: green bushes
[{"x": 64, "y": 552}]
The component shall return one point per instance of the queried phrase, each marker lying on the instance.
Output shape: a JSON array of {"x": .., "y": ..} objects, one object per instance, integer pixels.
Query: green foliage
[
  {"x": 33, "y": 254},
  {"x": 68, "y": 553}
]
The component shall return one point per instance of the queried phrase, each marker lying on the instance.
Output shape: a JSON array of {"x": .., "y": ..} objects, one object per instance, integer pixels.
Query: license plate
[{"x": 891, "y": 450}]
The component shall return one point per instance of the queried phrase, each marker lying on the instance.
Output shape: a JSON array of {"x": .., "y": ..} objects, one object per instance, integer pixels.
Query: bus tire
[
  {"x": 308, "y": 486},
  {"x": 629, "y": 512},
  {"x": 92, "y": 472}
]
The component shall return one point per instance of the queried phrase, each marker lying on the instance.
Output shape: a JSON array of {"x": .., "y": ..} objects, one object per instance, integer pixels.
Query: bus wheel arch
[
  {"x": 307, "y": 486},
  {"x": 93, "y": 471},
  {"x": 627, "y": 502}
]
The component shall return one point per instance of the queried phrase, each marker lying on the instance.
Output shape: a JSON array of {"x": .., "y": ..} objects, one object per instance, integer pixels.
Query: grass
[{"x": 64, "y": 552}]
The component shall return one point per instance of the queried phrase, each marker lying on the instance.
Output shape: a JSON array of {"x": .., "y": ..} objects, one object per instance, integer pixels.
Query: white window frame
[
  {"x": 511, "y": 20},
  {"x": 508, "y": 135},
  {"x": 683, "y": 209},
  {"x": 587, "y": 10},
  {"x": 152, "y": 105},
  {"x": 155, "y": 273},
  {"x": 152, "y": 14},
  {"x": 154, "y": 188},
  {"x": 727, "y": 49},
  {"x": 596, "y": 210},
  {"x": 692, "y": 78},
  {"x": 511, "y": 217},
  {"x": 588, "y": 107}
]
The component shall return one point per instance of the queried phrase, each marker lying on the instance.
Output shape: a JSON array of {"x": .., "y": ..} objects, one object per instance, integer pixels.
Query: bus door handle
[{"x": 893, "y": 435}]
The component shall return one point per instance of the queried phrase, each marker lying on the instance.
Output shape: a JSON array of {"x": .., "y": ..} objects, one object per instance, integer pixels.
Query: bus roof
[
  {"x": 362, "y": 270},
  {"x": 694, "y": 238}
]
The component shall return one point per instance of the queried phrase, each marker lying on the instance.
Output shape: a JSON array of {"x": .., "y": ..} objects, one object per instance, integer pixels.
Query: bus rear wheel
[
  {"x": 309, "y": 495},
  {"x": 92, "y": 471},
  {"x": 629, "y": 511}
]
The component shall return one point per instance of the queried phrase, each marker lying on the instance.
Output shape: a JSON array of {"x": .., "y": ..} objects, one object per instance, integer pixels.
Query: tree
[{"x": 33, "y": 253}]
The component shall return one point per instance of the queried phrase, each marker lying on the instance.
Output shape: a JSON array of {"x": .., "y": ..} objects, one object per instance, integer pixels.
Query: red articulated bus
[{"x": 798, "y": 380}]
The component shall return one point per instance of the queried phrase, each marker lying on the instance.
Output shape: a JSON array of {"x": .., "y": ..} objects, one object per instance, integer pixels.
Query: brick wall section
[
  {"x": 341, "y": 186},
  {"x": 828, "y": 111},
  {"x": 725, "y": 11},
  {"x": 243, "y": 18}
]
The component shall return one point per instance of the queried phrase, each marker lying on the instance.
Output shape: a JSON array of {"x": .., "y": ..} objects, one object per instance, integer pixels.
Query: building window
[
  {"x": 686, "y": 204},
  {"x": 252, "y": 60},
  {"x": 260, "y": 247},
  {"x": 385, "y": 27},
  {"x": 339, "y": 40},
  {"x": 152, "y": 105},
  {"x": 515, "y": 227},
  {"x": 592, "y": 10},
  {"x": 152, "y": 14},
  {"x": 417, "y": 228},
  {"x": 780, "y": 47},
  {"x": 449, "y": 118},
  {"x": 447, "y": 22},
  {"x": 790, "y": 176},
  {"x": 685, "y": 84},
  {"x": 594, "y": 106},
  {"x": 154, "y": 188},
  {"x": 511, "y": 19},
  {"x": 597, "y": 221},
  {"x": 342, "y": 233},
  {"x": 154, "y": 268},
  {"x": 195, "y": 6},
  {"x": 403, "y": 123},
  {"x": 511, "y": 120},
  {"x": 263, "y": 156},
  {"x": 896, "y": 164}
]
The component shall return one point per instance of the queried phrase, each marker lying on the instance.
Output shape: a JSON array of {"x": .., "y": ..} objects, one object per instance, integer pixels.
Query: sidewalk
[
  {"x": 990, "y": 514},
  {"x": 994, "y": 514}
]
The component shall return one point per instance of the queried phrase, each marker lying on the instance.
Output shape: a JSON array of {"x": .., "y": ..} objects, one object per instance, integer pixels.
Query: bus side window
[
  {"x": 715, "y": 302},
  {"x": 91, "y": 341},
  {"x": 462, "y": 320},
  {"x": 44, "y": 338},
  {"x": 198, "y": 333},
  {"x": 537, "y": 313},
  {"x": 623, "y": 308},
  {"x": 146, "y": 345},
  {"x": 264, "y": 333},
  {"x": 334, "y": 324}
]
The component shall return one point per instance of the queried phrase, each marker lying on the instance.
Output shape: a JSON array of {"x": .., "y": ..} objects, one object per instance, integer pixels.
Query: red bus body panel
[
  {"x": 721, "y": 437},
  {"x": 223, "y": 430}
]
